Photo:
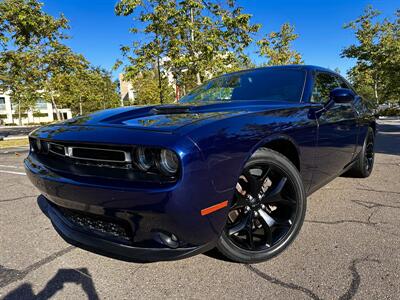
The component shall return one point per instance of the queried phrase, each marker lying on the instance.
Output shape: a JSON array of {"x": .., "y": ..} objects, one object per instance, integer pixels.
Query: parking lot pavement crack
[
  {"x": 356, "y": 278},
  {"x": 388, "y": 164},
  {"x": 84, "y": 272},
  {"x": 281, "y": 283},
  {"x": 341, "y": 222},
  {"x": 370, "y": 216},
  {"x": 368, "y": 223},
  {"x": 18, "y": 198},
  {"x": 377, "y": 191},
  {"x": 8, "y": 276},
  {"x": 370, "y": 204},
  {"x": 362, "y": 189}
]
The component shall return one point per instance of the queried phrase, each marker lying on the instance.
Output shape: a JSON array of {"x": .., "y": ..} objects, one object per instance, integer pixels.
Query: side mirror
[{"x": 340, "y": 95}]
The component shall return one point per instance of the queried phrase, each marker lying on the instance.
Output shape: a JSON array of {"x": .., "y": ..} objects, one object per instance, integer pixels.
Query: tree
[
  {"x": 193, "y": 39},
  {"x": 88, "y": 90},
  {"x": 58, "y": 64},
  {"x": 99, "y": 91},
  {"x": 146, "y": 86},
  {"x": 377, "y": 53},
  {"x": 25, "y": 30},
  {"x": 19, "y": 68},
  {"x": 35, "y": 64},
  {"x": 23, "y": 24},
  {"x": 276, "y": 47}
]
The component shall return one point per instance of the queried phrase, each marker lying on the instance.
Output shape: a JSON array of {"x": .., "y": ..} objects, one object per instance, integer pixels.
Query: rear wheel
[
  {"x": 364, "y": 164},
  {"x": 267, "y": 211}
]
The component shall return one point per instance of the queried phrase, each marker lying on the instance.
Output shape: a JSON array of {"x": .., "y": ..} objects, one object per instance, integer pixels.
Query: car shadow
[
  {"x": 79, "y": 276},
  {"x": 387, "y": 138},
  {"x": 215, "y": 254}
]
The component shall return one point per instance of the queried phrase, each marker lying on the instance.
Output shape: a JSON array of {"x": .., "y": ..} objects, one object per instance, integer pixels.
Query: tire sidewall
[
  {"x": 370, "y": 133},
  {"x": 236, "y": 253}
]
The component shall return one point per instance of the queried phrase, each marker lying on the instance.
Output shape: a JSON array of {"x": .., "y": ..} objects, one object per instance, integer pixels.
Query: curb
[
  {"x": 388, "y": 118},
  {"x": 17, "y": 126}
]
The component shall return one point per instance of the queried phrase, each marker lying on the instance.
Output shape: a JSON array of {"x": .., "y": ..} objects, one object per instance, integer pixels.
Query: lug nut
[
  {"x": 262, "y": 206},
  {"x": 256, "y": 214},
  {"x": 247, "y": 208}
]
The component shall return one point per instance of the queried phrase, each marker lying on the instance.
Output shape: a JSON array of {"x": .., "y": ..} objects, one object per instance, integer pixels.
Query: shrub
[{"x": 390, "y": 112}]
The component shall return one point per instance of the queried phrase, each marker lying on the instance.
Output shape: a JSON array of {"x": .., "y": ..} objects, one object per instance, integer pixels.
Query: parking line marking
[
  {"x": 12, "y": 172},
  {"x": 12, "y": 167}
]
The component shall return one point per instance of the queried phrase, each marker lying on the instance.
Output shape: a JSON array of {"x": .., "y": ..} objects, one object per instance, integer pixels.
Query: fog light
[{"x": 168, "y": 239}]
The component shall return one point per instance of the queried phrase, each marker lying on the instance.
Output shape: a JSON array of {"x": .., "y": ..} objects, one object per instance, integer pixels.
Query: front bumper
[
  {"x": 145, "y": 213},
  {"x": 74, "y": 235}
]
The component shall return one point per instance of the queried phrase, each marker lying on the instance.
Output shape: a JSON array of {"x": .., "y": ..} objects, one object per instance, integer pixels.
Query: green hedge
[
  {"x": 16, "y": 116},
  {"x": 390, "y": 112},
  {"x": 40, "y": 115}
]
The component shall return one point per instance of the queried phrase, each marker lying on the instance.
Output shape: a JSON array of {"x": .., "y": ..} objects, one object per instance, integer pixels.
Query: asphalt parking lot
[{"x": 349, "y": 247}]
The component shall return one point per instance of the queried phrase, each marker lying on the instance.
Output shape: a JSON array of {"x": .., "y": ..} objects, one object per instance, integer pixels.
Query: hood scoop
[
  {"x": 171, "y": 109},
  {"x": 146, "y": 112}
]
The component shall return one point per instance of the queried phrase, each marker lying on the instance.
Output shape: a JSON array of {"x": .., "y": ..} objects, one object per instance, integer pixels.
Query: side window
[
  {"x": 343, "y": 84},
  {"x": 323, "y": 85}
]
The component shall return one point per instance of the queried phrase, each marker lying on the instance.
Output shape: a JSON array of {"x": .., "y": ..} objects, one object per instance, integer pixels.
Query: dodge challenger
[{"x": 229, "y": 166}]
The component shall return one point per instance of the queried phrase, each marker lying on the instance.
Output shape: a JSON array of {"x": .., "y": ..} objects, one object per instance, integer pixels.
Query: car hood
[{"x": 172, "y": 117}]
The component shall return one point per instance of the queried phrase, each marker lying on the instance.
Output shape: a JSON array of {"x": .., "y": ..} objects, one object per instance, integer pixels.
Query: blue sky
[{"x": 98, "y": 34}]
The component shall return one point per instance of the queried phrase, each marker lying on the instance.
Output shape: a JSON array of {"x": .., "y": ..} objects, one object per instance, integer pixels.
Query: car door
[{"x": 337, "y": 130}]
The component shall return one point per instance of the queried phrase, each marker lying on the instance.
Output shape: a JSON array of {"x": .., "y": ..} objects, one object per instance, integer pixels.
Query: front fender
[{"x": 227, "y": 145}]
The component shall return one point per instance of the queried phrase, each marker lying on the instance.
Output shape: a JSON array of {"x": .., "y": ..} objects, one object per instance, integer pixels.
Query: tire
[
  {"x": 364, "y": 164},
  {"x": 290, "y": 202}
]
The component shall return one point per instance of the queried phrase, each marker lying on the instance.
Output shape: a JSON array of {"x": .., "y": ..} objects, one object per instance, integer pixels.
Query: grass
[{"x": 13, "y": 143}]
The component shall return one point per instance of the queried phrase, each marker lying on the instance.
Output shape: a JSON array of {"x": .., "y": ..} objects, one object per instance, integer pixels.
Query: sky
[{"x": 97, "y": 33}]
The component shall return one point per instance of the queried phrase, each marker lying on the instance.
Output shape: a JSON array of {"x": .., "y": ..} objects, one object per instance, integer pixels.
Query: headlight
[
  {"x": 144, "y": 158},
  {"x": 32, "y": 144},
  {"x": 169, "y": 162},
  {"x": 35, "y": 145},
  {"x": 153, "y": 159},
  {"x": 38, "y": 145}
]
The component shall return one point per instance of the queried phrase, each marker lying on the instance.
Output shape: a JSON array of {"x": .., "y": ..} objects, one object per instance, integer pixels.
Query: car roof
[{"x": 289, "y": 67}]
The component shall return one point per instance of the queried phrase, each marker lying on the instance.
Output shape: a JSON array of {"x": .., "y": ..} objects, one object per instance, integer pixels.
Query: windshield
[{"x": 258, "y": 84}]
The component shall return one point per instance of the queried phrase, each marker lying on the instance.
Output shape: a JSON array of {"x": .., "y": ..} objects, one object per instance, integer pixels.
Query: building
[
  {"x": 43, "y": 112},
  {"x": 126, "y": 90}
]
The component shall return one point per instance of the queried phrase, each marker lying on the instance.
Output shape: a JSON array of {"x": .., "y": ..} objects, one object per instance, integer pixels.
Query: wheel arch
[{"x": 283, "y": 144}]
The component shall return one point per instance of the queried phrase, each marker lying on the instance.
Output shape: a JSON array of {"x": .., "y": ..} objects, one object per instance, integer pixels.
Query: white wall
[{"x": 47, "y": 109}]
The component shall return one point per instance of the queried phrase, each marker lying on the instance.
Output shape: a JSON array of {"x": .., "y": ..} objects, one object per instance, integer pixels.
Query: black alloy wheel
[
  {"x": 364, "y": 162},
  {"x": 369, "y": 154},
  {"x": 267, "y": 210}
]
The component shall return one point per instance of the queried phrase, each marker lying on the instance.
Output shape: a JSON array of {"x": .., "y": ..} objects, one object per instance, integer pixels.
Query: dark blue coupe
[{"x": 229, "y": 166}]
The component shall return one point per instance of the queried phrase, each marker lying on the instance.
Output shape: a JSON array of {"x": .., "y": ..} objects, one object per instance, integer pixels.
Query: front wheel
[{"x": 267, "y": 211}]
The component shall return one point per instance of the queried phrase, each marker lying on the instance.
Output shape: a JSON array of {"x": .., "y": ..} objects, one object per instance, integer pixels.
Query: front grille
[
  {"x": 99, "y": 164},
  {"x": 100, "y": 154},
  {"x": 97, "y": 224},
  {"x": 57, "y": 149},
  {"x": 91, "y": 153}
]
